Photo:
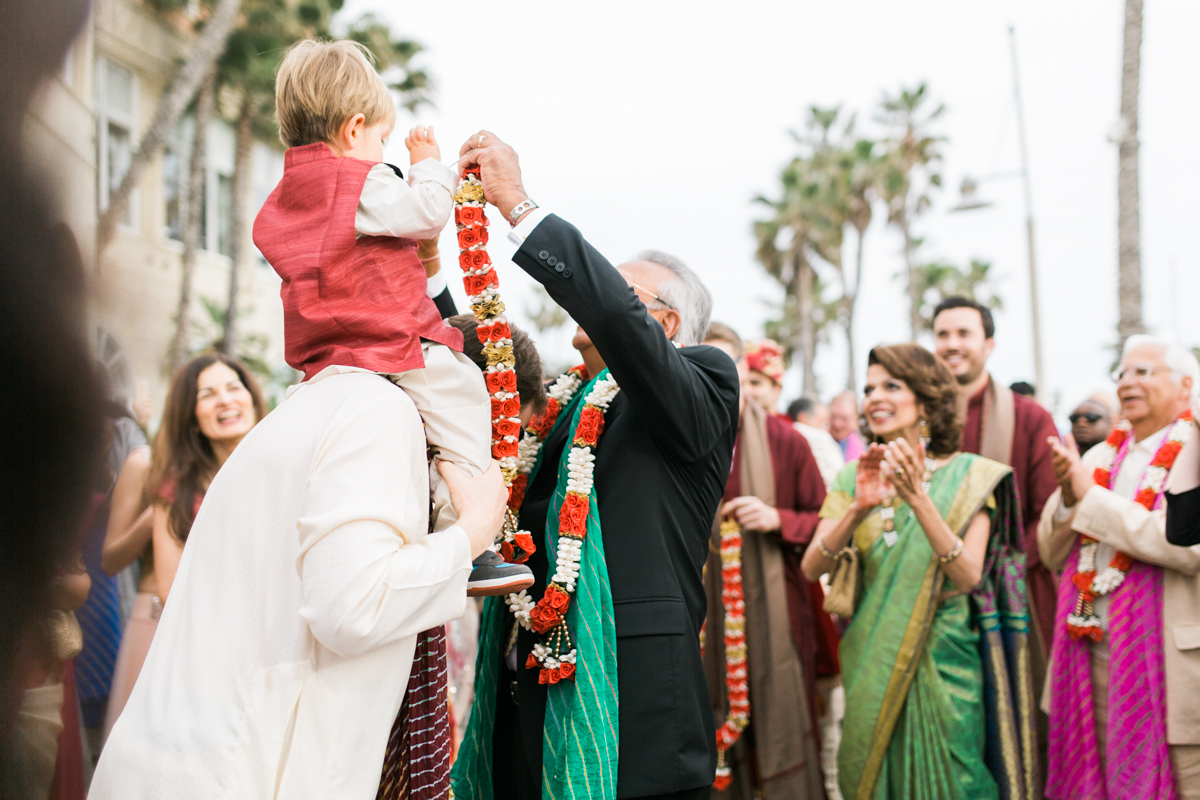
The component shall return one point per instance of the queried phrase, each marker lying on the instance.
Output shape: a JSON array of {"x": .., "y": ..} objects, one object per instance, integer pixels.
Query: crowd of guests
[
  {"x": 943, "y": 483},
  {"x": 921, "y": 591}
]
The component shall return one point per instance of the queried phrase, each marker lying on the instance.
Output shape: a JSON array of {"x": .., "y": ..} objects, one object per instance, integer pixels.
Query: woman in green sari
[{"x": 935, "y": 666}]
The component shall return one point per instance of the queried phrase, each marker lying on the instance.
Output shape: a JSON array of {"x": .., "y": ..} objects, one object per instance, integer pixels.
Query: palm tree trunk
[
  {"x": 237, "y": 228},
  {"x": 195, "y": 216},
  {"x": 179, "y": 93},
  {"x": 1129, "y": 259},
  {"x": 849, "y": 301},
  {"x": 805, "y": 279},
  {"x": 914, "y": 286}
]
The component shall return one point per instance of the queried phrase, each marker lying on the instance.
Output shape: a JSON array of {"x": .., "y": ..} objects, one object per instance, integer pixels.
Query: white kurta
[{"x": 283, "y": 653}]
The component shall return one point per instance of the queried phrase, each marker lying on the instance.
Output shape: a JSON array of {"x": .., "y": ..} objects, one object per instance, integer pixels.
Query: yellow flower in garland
[{"x": 469, "y": 192}]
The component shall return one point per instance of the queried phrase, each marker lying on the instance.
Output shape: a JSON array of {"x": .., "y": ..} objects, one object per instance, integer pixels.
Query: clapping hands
[
  {"x": 871, "y": 487},
  {"x": 905, "y": 469},
  {"x": 1069, "y": 471}
]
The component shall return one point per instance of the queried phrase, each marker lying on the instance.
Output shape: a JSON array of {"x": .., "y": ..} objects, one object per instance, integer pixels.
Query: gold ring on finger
[{"x": 480, "y": 142}]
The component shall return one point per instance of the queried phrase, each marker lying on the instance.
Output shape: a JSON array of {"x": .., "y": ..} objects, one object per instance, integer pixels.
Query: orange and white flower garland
[
  {"x": 1084, "y": 623},
  {"x": 737, "y": 689},
  {"x": 561, "y": 392},
  {"x": 482, "y": 285},
  {"x": 554, "y": 656}
]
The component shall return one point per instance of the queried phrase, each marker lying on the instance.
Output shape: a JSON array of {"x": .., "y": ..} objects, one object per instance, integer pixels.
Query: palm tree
[
  {"x": 196, "y": 67},
  {"x": 910, "y": 173},
  {"x": 787, "y": 242},
  {"x": 938, "y": 280},
  {"x": 862, "y": 170},
  {"x": 1129, "y": 258},
  {"x": 194, "y": 217}
]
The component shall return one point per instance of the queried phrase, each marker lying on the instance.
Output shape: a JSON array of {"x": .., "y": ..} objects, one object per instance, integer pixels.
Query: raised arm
[
  {"x": 688, "y": 397},
  {"x": 130, "y": 521}
]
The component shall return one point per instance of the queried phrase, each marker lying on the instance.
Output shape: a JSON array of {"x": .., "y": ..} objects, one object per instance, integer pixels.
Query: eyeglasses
[
  {"x": 637, "y": 288},
  {"x": 1092, "y": 417},
  {"x": 1139, "y": 372}
]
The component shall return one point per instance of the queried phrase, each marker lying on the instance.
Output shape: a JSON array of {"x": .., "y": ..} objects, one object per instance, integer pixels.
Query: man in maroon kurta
[
  {"x": 787, "y": 522},
  {"x": 963, "y": 331}
]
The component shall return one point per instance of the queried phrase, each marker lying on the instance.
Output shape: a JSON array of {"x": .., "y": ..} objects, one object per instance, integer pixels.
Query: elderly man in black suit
[{"x": 660, "y": 471}]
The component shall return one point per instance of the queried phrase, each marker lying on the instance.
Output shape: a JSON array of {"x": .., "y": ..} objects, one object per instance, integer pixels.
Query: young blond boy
[{"x": 341, "y": 229}]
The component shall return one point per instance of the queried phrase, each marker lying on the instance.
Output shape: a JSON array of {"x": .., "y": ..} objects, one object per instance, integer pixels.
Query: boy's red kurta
[{"x": 357, "y": 302}]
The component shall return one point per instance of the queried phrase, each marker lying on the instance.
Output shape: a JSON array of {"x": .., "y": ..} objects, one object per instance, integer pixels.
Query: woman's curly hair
[{"x": 934, "y": 386}]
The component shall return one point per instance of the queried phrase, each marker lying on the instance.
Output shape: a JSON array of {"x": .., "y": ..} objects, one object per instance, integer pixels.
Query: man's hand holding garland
[{"x": 499, "y": 170}]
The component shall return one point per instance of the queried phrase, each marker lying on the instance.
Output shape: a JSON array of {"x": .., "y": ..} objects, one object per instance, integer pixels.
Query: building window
[
  {"x": 173, "y": 192},
  {"x": 117, "y": 123}
]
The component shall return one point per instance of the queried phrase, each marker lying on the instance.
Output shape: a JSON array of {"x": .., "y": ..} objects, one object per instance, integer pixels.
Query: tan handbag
[
  {"x": 845, "y": 584},
  {"x": 66, "y": 637}
]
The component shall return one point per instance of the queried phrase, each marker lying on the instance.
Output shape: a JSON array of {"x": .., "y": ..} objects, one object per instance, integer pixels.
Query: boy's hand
[{"x": 421, "y": 145}]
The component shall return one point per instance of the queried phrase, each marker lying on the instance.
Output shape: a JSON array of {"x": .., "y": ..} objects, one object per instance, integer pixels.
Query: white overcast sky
[{"x": 654, "y": 124}]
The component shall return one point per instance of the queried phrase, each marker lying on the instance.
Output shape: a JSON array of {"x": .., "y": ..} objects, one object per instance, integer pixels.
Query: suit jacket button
[
  {"x": 559, "y": 267},
  {"x": 567, "y": 272},
  {"x": 552, "y": 261},
  {"x": 543, "y": 255}
]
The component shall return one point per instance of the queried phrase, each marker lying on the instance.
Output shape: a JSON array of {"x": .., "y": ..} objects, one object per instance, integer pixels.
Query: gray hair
[
  {"x": 685, "y": 291},
  {"x": 1178, "y": 359}
]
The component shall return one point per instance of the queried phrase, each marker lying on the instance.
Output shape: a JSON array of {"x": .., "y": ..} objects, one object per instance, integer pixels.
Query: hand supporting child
[{"x": 421, "y": 145}]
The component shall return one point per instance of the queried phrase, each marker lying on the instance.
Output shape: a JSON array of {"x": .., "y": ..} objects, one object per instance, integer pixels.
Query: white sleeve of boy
[{"x": 417, "y": 209}]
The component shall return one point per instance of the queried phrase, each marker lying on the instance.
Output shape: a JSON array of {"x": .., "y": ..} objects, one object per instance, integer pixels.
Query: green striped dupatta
[
  {"x": 580, "y": 734},
  {"x": 938, "y": 704}
]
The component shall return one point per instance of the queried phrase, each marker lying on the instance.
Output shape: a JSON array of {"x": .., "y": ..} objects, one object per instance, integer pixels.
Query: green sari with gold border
[{"x": 939, "y": 698}]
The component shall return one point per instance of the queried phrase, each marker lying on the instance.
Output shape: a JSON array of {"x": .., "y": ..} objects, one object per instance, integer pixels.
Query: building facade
[{"x": 83, "y": 131}]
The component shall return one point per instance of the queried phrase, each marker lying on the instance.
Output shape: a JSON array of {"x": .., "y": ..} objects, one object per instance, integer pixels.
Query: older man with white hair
[
  {"x": 1124, "y": 698},
  {"x": 592, "y": 684}
]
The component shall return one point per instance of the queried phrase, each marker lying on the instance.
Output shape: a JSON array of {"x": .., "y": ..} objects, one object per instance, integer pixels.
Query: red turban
[{"x": 765, "y": 357}]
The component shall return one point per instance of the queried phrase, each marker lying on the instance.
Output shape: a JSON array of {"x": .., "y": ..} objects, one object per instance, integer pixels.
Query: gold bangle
[
  {"x": 825, "y": 551},
  {"x": 954, "y": 553}
]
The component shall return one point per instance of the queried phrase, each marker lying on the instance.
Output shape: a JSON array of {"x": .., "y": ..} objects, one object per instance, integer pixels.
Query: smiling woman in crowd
[
  {"x": 937, "y": 535},
  {"x": 213, "y": 403}
]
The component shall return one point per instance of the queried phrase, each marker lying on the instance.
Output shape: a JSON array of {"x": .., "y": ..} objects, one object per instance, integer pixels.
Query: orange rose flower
[
  {"x": 525, "y": 541},
  {"x": 531, "y": 662},
  {"x": 469, "y": 237},
  {"x": 572, "y": 516},
  {"x": 468, "y": 215},
  {"x": 506, "y": 427},
  {"x": 479, "y": 258},
  {"x": 466, "y": 261},
  {"x": 508, "y": 380},
  {"x": 557, "y": 599},
  {"x": 510, "y": 407},
  {"x": 504, "y": 449},
  {"x": 516, "y": 495},
  {"x": 567, "y": 670},
  {"x": 542, "y": 619}
]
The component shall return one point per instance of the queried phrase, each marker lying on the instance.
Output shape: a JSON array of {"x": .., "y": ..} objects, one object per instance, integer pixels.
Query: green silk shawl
[
  {"x": 935, "y": 706},
  {"x": 579, "y": 751}
]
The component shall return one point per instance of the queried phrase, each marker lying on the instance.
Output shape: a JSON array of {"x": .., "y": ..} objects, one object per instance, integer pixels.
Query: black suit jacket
[{"x": 661, "y": 467}]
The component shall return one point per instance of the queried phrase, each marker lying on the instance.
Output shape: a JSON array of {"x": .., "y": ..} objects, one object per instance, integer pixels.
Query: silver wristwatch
[{"x": 520, "y": 209}]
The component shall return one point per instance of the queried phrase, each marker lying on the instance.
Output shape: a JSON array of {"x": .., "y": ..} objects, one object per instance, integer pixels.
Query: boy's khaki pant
[{"x": 453, "y": 401}]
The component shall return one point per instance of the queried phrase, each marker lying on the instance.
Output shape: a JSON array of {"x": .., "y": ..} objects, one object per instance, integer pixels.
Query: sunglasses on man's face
[{"x": 1092, "y": 418}]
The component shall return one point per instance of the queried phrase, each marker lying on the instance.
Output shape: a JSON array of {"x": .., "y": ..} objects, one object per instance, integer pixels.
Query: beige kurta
[
  {"x": 283, "y": 653},
  {"x": 1124, "y": 525}
]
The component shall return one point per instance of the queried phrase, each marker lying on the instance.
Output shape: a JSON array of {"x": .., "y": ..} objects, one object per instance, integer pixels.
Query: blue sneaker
[{"x": 492, "y": 575}]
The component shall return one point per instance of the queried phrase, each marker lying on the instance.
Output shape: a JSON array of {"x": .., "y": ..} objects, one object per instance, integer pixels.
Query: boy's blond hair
[{"x": 320, "y": 85}]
